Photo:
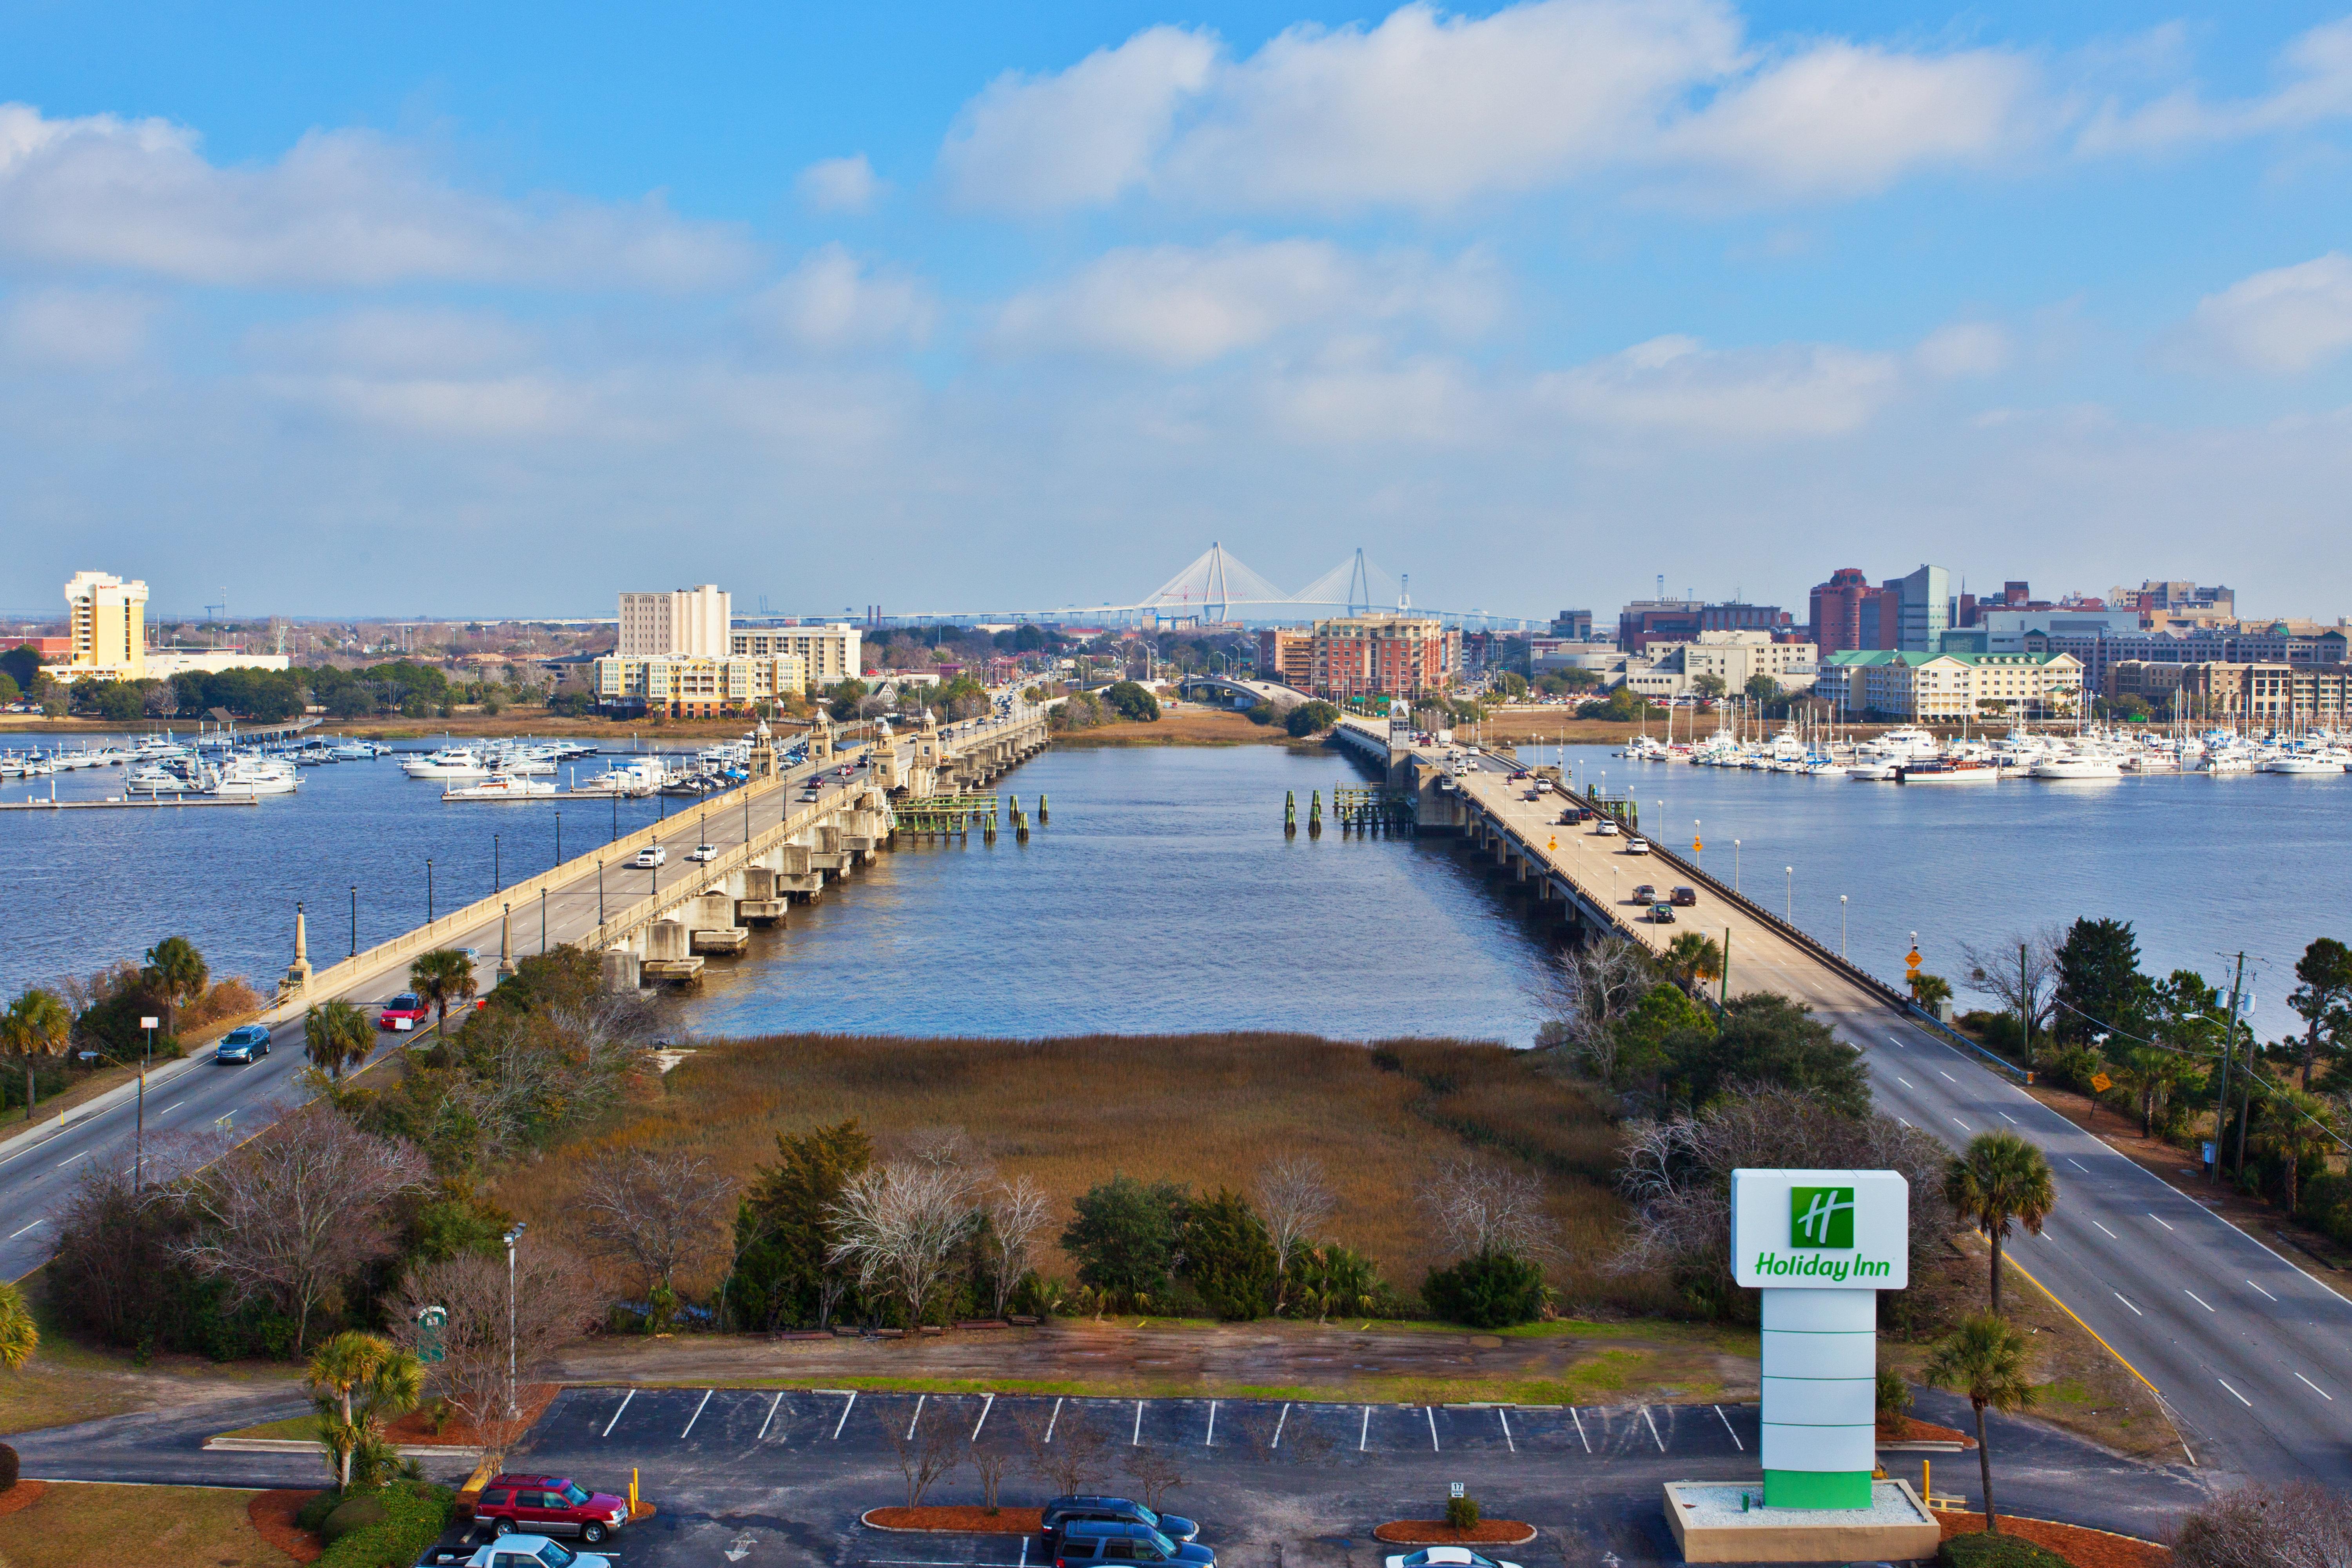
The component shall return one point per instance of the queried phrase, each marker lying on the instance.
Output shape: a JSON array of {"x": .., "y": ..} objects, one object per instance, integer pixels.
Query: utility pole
[
  {"x": 2221, "y": 1106},
  {"x": 2024, "y": 1008}
]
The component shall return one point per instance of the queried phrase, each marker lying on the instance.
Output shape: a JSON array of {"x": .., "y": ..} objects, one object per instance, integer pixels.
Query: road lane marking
[
  {"x": 2234, "y": 1394},
  {"x": 1505, "y": 1416},
  {"x": 2078, "y": 1165},
  {"x": 2314, "y": 1388},
  {"x": 1050, "y": 1420},
  {"x": 991, "y": 1404},
  {"x": 1948, "y": 1077},
  {"x": 2152, "y": 1215},
  {"x": 2120, "y": 1297},
  {"x": 779, "y": 1399},
  {"x": 2196, "y": 1298},
  {"x": 71, "y": 1158},
  {"x": 1364, "y": 1435},
  {"x": 1904, "y": 1081},
  {"x": 853, "y": 1401},
  {"x": 171, "y": 1107},
  {"x": 2263, "y": 1293},
  {"x": 697, "y": 1412},
  {"x": 1962, "y": 1125},
  {"x": 1661, "y": 1442},
  {"x": 1580, "y": 1437},
  {"x": 1905, "y": 1123},
  {"x": 1136, "y": 1441},
  {"x": 1727, "y": 1427},
  {"x": 1277, "y": 1428},
  {"x": 2005, "y": 1116},
  {"x": 1430, "y": 1410},
  {"x": 15, "y": 1234},
  {"x": 2110, "y": 1234},
  {"x": 616, "y": 1421},
  {"x": 917, "y": 1416}
]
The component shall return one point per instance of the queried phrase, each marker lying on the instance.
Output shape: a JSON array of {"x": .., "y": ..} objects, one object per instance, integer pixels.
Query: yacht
[
  {"x": 1901, "y": 744},
  {"x": 2318, "y": 761},
  {"x": 244, "y": 774},
  {"x": 170, "y": 778},
  {"x": 501, "y": 786},
  {"x": 353, "y": 752},
  {"x": 451, "y": 762},
  {"x": 1938, "y": 770},
  {"x": 1873, "y": 770},
  {"x": 637, "y": 776},
  {"x": 2077, "y": 765}
]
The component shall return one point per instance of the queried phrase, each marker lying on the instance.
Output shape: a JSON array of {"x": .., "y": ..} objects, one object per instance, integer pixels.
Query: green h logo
[{"x": 1820, "y": 1217}]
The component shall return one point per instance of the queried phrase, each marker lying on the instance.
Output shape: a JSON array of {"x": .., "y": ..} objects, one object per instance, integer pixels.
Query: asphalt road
[
  {"x": 781, "y": 1476},
  {"x": 2252, "y": 1355},
  {"x": 39, "y": 1167}
]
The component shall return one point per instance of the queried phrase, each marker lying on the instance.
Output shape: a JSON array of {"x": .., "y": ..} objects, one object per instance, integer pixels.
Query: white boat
[
  {"x": 1903, "y": 743},
  {"x": 2077, "y": 765},
  {"x": 501, "y": 786},
  {"x": 1939, "y": 772},
  {"x": 455, "y": 762},
  {"x": 2227, "y": 762},
  {"x": 242, "y": 776},
  {"x": 352, "y": 751},
  {"x": 637, "y": 776},
  {"x": 158, "y": 778},
  {"x": 1871, "y": 771},
  {"x": 2302, "y": 762}
]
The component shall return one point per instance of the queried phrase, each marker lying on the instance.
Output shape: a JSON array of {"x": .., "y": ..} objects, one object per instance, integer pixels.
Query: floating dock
[{"x": 169, "y": 805}]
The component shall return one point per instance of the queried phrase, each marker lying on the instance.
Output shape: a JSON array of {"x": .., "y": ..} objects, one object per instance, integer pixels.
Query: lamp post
[
  {"x": 1734, "y": 865},
  {"x": 1696, "y": 842},
  {"x": 355, "y": 920},
  {"x": 139, "y": 1155},
  {"x": 513, "y": 1410},
  {"x": 1841, "y": 925},
  {"x": 600, "y": 893},
  {"x": 428, "y": 889},
  {"x": 498, "y": 881},
  {"x": 1789, "y": 907},
  {"x": 559, "y": 836}
]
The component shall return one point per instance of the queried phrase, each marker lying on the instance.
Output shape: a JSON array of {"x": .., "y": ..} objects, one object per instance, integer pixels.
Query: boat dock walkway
[{"x": 171, "y": 802}]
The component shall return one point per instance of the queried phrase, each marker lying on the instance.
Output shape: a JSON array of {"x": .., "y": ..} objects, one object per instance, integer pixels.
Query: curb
[
  {"x": 1428, "y": 1540},
  {"x": 295, "y": 1445},
  {"x": 867, "y": 1518},
  {"x": 2086, "y": 1529}
]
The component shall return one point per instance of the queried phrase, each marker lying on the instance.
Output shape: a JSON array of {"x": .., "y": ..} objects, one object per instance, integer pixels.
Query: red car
[
  {"x": 406, "y": 1011},
  {"x": 550, "y": 1505}
]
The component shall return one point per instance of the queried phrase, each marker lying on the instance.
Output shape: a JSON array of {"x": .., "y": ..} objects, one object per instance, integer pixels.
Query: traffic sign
[
  {"x": 2101, "y": 1083},
  {"x": 1911, "y": 958}
]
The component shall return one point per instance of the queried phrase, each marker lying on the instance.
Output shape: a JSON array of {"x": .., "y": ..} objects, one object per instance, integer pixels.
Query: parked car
[
  {"x": 1085, "y": 1543},
  {"x": 1645, "y": 894},
  {"x": 703, "y": 852},
  {"x": 1662, "y": 914},
  {"x": 405, "y": 1011},
  {"x": 1637, "y": 844},
  {"x": 1447, "y": 1557},
  {"x": 1114, "y": 1511},
  {"x": 1685, "y": 898},
  {"x": 518, "y": 1552},
  {"x": 550, "y": 1505},
  {"x": 652, "y": 854},
  {"x": 243, "y": 1044}
]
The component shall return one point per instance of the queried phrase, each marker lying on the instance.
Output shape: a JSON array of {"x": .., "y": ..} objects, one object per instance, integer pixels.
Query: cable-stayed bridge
[{"x": 1217, "y": 585}]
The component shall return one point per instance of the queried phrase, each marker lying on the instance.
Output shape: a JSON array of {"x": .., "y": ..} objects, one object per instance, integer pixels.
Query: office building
[
  {"x": 1384, "y": 654},
  {"x": 690, "y": 623},
  {"x": 1647, "y": 620},
  {"x": 2267, "y": 694},
  {"x": 1574, "y": 626},
  {"x": 829, "y": 655},
  {"x": 109, "y": 627}
]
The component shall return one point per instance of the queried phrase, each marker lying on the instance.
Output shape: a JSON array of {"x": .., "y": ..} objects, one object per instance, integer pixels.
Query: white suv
[
  {"x": 650, "y": 855},
  {"x": 533, "y": 1552}
]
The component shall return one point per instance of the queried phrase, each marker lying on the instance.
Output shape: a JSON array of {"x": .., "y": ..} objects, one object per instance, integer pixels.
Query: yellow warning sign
[{"x": 2101, "y": 1082}]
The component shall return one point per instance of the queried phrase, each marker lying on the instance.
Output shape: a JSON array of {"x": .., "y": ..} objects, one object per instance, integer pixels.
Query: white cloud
[
  {"x": 1429, "y": 109},
  {"x": 1673, "y": 385},
  {"x": 832, "y": 301},
  {"x": 1424, "y": 402},
  {"x": 416, "y": 342},
  {"x": 840, "y": 184},
  {"x": 2283, "y": 322},
  {"x": 86, "y": 329},
  {"x": 343, "y": 207},
  {"x": 1964, "y": 349},
  {"x": 2315, "y": 84},
  {"x": 1178, "y": 306}
]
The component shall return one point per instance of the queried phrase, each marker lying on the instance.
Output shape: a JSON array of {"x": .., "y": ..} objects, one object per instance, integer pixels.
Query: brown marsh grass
[{"x": 1207, "y": 1111}]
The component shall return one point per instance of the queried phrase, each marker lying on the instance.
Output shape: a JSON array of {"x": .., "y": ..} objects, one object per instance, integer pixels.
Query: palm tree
[
  {"x": 176, "y": 970},
  {"x": 336, "y": 1036},
  {"x": 356, "y": 1380},
  {"x": 2290, "y": 1120},
  {"x": 1998, "y": 1182},
  {"x": 37, "y": 1021},
  {"x": 1691, "y": 958},
  {"x": 443, "y": 976},
  {"x": 1929, "y": 989},
  {"x": 18, "y": 1337},
  {"x": 1984, "y": 1359}
]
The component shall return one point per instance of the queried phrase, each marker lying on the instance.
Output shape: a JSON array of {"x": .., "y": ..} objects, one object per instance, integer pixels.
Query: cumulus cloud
[
  {"x": 1181, "y": 306},
  {"x": 840, "y": 184},
  {"x": 1964, "y": 349},
  {"x": 340, "y": 208},
  {"x": 1674, "y": 385},
  {"x": 2281, "y": 322},
  {"x": 77, "y": 329},
  {"x": 2315, "y": 84},
  {"x": 833, "y": 302},
  {"x": 1429, "y": 109}
]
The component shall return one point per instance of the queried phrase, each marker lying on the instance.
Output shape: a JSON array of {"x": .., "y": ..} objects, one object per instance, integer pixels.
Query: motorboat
[
  {"x": 1873, "y": 772},
  {"x": 451, "y": 762},
  {"x": 637, "y": 776},
  {"x": 2313, "y": 762},
  {"x": 353, "y": 752},
  {"x": 2077, "y": 765},
  {"x": 244, "y": 775},
  {"x": 1939, "y": 769},
  {"x": 501, "y": 786},
  {"x": 1901, "y": 744},
  {"x": 159, "y": 778}
]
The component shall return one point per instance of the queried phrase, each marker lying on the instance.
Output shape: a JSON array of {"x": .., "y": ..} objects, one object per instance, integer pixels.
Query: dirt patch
[
  {"x": 2083, "y": 1548},
  {"x": 1437, "y": 1533},
  {"x": 969, "y": 1518},
  {"x": 23, "y": 1495},
  {"x": 1911, "y": 1429},
  {"x": 416, "y": 1428},
  {"x": 272, "y": 1514}
]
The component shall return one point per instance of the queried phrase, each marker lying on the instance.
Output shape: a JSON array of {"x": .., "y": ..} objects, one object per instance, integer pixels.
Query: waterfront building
[
  {"x": 1944, "y": 687},
  {"x": 109, "y": 627},
  {"x": 1287, "y": 655},
  {"x": 689, "y": 622},
  {"x": 690, "y": 687},
  {"x": 2267, "y": 694},
  {"x": 829, "y": 653},
  {"x": 1383, "y": 654}
]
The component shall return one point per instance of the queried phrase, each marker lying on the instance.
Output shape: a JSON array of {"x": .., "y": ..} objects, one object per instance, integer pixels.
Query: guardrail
[{"x": 1921, "y": 1016}]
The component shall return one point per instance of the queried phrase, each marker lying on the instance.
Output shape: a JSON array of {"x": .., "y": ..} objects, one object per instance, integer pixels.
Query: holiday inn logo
[{"x": 1820, "y": 1218}]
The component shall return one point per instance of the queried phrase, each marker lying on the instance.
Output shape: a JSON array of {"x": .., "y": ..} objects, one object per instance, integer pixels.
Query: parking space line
[
  {"x": 1211, "y": 1440},
  {"x": 616, "y": 1415},
  {"x": 983, "y": 1417},
  {"x": 697, "y": 1412},
  {"x": 1505, "y": 1416},
  {"x": 1050, "y": 1420},
  {"x": 916, "y": 1416},
  {"x": 1365, "y": 1434},
  {"x": 1024, "y": 1550},
  {"x": 1727, "y": 1427},
  {"x": 844, "y": 1415},
  {"x": 1135, "y": 1440},
  {"x": 1661, "y": 1442},
  {"x": 1580, "y": 1437},
  {"x": 1430, "y": 1410},
  {"x": 779, "y": 1399},
  {"x": 1277, "y": 1429}
]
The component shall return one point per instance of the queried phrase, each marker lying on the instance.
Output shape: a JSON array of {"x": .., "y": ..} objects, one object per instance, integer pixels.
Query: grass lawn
[
  {"x": 302, "y": 1427},
  {"x": 82, "y": 1526},
  {"x": 1207, "y": 1111}
]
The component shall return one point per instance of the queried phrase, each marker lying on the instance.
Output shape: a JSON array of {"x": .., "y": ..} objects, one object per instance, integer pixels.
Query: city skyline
[{"x": 960, "y": 307}]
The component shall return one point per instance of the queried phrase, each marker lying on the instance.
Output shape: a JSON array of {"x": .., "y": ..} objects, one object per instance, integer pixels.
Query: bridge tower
[
  {"x": 1213, "y": 592},
  {"x": 1360, "y": 585}
]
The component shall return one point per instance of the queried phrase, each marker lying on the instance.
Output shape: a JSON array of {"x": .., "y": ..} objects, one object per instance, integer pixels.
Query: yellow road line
[{"x": 2086, "y": 1327}]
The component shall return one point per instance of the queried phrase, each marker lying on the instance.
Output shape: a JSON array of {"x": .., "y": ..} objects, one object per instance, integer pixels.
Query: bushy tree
[
  {"x": 1125, "y": 1236},
  {"x": 1310, "y": 718},
  {"x": 1765, "y": 1039},
  {"x": 2100, "y": 987},
  {"x": 1229, "y": 1257},
  {"x": 782, "y": 1274},
  {"x": 1131, "y": 701},
  {"x": 2322, "y": 997},
  {"x": 1486, "y": 1291}
]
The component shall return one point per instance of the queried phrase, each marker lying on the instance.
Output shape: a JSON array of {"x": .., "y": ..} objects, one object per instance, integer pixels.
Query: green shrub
[
  {"x": 1894, "y": 1396},
  {"x": 1131, "y": 701},
  {"x": 1462, "y": 1512},
  {"x": 1125, "y": 1236},
  {"x": 1982, "y": 1551},
  {"x": 1310, "y": 718},
  {"x": 352, "y": 1513},
  {"x": 1491, "y": 1291},
  {"x": 1229, "y": 1259},
  {"x": 416, "y": 1513},
  {"x": 1262, "y": 714},
  {"x": 7, "y": 1467},
  {"x": 313, "y": 1514}
]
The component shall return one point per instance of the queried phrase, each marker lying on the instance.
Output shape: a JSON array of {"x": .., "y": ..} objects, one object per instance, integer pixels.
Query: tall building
[
  {"x": 1287, "y": 654},
  {"x": 1575, "y": 626},
  {"x": 1909, "y": 613},
  {"x": 1384, "y": 654},
  {"x": 692, "y": 623},
  {"x": 110, "y": 625},
  {"x": 1647, "y": 620},
  {"x": 829, "y": 654},
  {"x": 1926, "y": 609}
]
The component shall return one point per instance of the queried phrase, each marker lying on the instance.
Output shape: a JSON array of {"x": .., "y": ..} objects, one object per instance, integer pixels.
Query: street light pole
[
  {"x": 513, "y": 1410},
  {"x": 1789, "y": 894},
  {"x": 497, "y": 879},
  {"x": 1734, "y": 865},
  {"x": 355, "y": 920},
  {"x": 1841, "y": 925},
  {"x": 139, "y": 1158},
  {"x": 428, "y": 889}
]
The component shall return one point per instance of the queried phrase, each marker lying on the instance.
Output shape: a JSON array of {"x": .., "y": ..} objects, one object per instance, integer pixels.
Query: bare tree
[
  {"x": 489, "y": 1327},
  {"x": 1017, "y": 1213},
  {"x": 1479, "y": 1207},
  {"x": 1294, "y": 1199},
  {"x": 898, "y": 1225},
  {"x": 2300, "y": 1525},
  {"x": 293, "y": 1213},
  {"x": 1063, "y": 1449},
  {"x": 1596, "y": 984},
  {"x": 2021, "y": 973},
  {"x": 1155, "y": 1473},
  {"x": 569, "y": 1064},
  {"x": 926, "y": 1448},
  {"x": 990, "y": 1462},
  {"x": 661, "y": 1213}
]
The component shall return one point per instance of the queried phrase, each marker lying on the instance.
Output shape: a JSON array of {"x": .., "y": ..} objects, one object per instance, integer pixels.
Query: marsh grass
[{"x": 1207, "y": 1111}]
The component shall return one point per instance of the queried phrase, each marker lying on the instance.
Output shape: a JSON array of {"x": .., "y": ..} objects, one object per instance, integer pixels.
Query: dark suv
[
  {"x": 1062, "y": 1510},
  {"x": 1091, "y": 1542},
  {"x": 550, "y": 1505}
]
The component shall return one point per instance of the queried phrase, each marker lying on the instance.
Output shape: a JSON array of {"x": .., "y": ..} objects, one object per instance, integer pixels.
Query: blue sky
[{"x": 418, "y": 310}]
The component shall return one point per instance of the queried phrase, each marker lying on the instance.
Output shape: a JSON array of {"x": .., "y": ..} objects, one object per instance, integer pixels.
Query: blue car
[{"x": 244, "y": 1043}]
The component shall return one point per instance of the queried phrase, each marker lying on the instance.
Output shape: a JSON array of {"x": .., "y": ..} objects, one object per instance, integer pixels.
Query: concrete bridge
[{"x": 1242, "y": 693}]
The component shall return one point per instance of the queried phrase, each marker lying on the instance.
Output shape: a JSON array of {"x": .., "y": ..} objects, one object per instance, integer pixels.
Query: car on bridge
[
  {"x": 405, "y": 1011},
  {"x": 703, "y": 852},
  {"x": 1662, "y": 914},
  {"x": 246, "y": 1043},
  {"x": 1645, "y": 894},
  {"x": 652, "y": 854},
  {"x": 1685, "y": 898},
  {"x": 1637, "y": 844},
  {"x": 1607, "y": 827}
]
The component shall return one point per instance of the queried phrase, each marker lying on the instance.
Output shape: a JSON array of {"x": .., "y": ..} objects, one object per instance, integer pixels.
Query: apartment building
[
  {"x": 828, "y": 654},
  {"x": 686, "y": 687},
  {"x": 2267, "y": 694},
  {"x": 1944, "y": 687},
  {"x": 1287, "y": 655},
  {"x": 1384, "y": 654},
  {"x": 689, "y": 622}
]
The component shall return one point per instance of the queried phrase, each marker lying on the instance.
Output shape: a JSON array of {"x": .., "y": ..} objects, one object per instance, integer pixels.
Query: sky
[{"x": 435, "y": 310}]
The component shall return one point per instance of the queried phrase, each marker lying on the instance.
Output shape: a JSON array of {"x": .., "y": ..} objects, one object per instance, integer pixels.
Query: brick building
[{"x": 1383, "y": 655}]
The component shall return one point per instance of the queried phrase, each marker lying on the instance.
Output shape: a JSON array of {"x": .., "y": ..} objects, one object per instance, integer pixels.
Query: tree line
[{"x": 46, "y": 1029}]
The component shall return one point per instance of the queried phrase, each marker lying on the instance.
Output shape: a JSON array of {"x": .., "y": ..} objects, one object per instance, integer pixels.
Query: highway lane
[
  {"x": 39, "y": 1167},
  {"x": 2252, "y": 1355}
]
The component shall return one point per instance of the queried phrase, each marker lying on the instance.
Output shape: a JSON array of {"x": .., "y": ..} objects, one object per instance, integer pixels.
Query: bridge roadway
[
  {"x": 41, "y": 1163},
  {"x": 2252, "y": 1355}
]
